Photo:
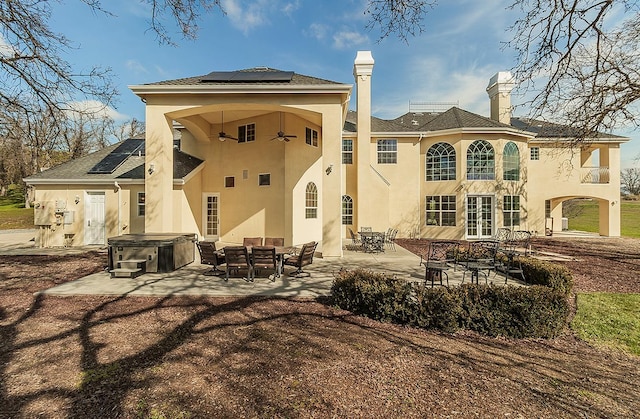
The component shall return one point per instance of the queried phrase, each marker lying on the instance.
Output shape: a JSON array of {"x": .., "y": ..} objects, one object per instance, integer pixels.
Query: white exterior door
[
  {"x": 211, "y": 216},
  {"x": 480, "y": 216},
  {"x": 94, "y": 218}
]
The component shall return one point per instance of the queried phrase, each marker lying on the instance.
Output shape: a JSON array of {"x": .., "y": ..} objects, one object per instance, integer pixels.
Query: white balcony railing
[{"x": 594, "y": 175}]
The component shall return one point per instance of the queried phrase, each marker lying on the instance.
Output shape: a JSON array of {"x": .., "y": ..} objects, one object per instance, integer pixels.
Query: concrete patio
[{"x": 190, "y": 279}]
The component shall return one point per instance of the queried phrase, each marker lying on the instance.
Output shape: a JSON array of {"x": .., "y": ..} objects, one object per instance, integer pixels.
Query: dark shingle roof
[
  {"x": 422, "y": 122},
  {"x": 296, "y": 79},
  {"x": 544, "y": 129},
  {"x": 132, "y": 168}
]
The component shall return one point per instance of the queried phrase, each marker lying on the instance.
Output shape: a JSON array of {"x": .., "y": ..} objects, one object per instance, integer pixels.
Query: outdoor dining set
[
  {"x": 371, "y": 241},
  {"x": 478, "y": 258},
  {"x": 255, "y": 256}
]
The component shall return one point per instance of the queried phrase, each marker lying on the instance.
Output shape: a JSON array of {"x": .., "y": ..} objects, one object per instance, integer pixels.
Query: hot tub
[{"x": 163, "y": 252}]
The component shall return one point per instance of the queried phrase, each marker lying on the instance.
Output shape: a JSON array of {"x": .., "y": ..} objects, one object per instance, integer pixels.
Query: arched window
[
  {"x": 311, "y": 201},
  {"x": 480, "y": 161},
  {"x": 441, "y": 162},
  {"x": 347, "y": 210},
  {"x": 511, "y": 162}
]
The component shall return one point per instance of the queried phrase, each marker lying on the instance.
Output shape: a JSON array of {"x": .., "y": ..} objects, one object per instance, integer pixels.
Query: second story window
[
  {"x": 311, "y": 137},
  {"x": 511, "y": 162},
  {"x": 535, "y": 153},
  {"x": 441, "y": 162},
  {"x": 347, "y": 151},
  {"x": 387, "y": 151},
  {"x": 246, "y": 133},
  {"x": 480, "y": 161}
]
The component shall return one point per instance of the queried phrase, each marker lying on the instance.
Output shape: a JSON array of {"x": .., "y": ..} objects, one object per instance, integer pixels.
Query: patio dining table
[
  {"x": 281, "y": 252},
  {"x": 372, "y": 241}
]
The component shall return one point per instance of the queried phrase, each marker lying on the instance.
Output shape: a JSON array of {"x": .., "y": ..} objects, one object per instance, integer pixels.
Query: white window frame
[
  {"x": 249, "y": 134},
  {"x": 311, "y": 137},
  {"x": 347, "y": 210},
  {"x": 439, "y": 210},
  {"x": 311, "y": 201},
  {"x": 141, "y": 204},
  {"x": 508, "y": 208},
  {"x": 347, "y": 151},
  {"x": 534, "y": 153},
  {"x": 387, "y": 149}
]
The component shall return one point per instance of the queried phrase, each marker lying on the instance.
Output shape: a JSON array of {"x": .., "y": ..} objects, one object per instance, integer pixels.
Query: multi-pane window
[
  {"x": 246, "y": 133},
  {"x": 441, "y": 210},
  {"x": 511, "y": 162},
  {"x": 347, "y": 151},
  {"x": 141, "y": 204},
  {"x": 311, "y": 201},
  {"x": 387, "y": 151},
  {"x": 480, "y": 161},
  {"x": 441, "y": 162},
  {"x": 311, "y": 137},
  {"x": 511, "y": 210},
  {"x": 347, "y": 210},
  {"x": 535, "y": 153},
  {"x": 229, "y": 181}
]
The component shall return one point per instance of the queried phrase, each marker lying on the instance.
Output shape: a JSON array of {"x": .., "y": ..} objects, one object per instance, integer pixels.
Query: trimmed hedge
[{"x": 519, "y": 312}]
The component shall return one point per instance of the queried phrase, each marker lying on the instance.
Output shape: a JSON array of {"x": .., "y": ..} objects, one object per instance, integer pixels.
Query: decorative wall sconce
[
  {"x": 329, "y": 169},
  {"x": 77, "y": 200},
  {"x": 152, "y": 168}
]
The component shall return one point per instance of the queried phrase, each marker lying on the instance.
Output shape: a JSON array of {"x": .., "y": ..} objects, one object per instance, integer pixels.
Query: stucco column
[
  {"x": 332, "y": 183},
  {"x": 364, "y": 205},
  {"x": 158, "y": 171}
]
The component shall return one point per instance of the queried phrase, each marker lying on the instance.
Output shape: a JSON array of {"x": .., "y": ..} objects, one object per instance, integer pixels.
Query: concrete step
[{"x": 126, "y": 272}]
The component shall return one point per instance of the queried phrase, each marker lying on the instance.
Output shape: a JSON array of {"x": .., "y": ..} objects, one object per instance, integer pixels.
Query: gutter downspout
[{"x": 117, "y": 185}]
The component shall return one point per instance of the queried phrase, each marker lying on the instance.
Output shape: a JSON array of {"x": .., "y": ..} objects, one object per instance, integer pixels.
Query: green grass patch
[
  {"x": 15, "y": 216},
  {"x": 586, "y": 217},
  {"x": 611, "y": 320}
]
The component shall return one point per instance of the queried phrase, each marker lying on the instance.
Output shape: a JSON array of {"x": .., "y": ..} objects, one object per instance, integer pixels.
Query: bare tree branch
[{"x": 403, "y": 18}]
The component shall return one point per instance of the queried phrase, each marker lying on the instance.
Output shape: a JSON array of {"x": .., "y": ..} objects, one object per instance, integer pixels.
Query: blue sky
[{"x": 451, "y": 62}]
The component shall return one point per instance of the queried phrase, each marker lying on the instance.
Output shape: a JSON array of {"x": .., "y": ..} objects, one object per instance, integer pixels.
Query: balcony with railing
[{"x": 594, "y": 175}]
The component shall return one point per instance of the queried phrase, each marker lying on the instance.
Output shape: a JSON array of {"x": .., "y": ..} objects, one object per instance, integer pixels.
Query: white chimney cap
[{"x": 502, "y": 78}]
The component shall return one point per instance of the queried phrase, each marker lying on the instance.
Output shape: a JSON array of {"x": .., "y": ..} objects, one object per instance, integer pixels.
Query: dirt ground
[{"x": 108, "y": 357}]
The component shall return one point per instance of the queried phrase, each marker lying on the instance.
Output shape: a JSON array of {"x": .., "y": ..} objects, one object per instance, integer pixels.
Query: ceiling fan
[
  {"x": 222, "y": 136},
  {"x": 281, "y": 136}
]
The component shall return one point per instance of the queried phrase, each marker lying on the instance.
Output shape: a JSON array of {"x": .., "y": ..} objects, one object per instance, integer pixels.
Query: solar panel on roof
[
  {"x": 114, "y": 159},
  {"x": 248, "y": 76}
]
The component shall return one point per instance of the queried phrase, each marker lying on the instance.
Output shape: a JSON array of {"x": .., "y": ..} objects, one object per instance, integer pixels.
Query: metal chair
[
  {"x": 210, "y": 256},
  {"x": 302, "y": 259},
  {"x": 366, "y": 229},
  {"x": 355, "y": 241},
  {"x": 519, "y": 244},
  {"x": 441, "y": 256},
  {"x": 263, "y": 257},
  {"x": 237, "y": 259},
  {"x": 390, "y": 238},
  {"x": 274, "y": 241},
  {"x": 480, "y": 257}
]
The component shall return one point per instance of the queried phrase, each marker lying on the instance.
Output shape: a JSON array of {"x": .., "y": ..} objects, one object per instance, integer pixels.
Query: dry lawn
[{"x": 108, "y": 357}]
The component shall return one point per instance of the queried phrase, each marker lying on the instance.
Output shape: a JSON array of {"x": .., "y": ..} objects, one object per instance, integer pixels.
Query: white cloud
[
  {"x": 290, "y": 7},
  {"x": 317, "y": 31},
  {"x": 347, "y": 39},
  {"x": 136, "y": 67},
  {"x": 6, "y": 49},
  {"x": 246, "y": 16},
  {"x": 98, "y": 108}
]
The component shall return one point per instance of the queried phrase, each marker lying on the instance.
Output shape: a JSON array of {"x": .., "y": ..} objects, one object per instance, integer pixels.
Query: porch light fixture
[
  {"x": 77, "y": 200},
  {"x": 152, "y": 168},
  {"x": 329, "y": 169}
]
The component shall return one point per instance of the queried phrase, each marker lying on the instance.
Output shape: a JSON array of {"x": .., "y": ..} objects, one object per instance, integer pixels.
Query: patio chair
[
  {"x": 518, "y": 245},
  {"x": 210, "y": 256},
  {"x": 441, "y": 256},
  {"x": 390, "y": 238},
  {"x": 480, "y": 257},
  {"x": 302, "y": 259},
  {"x": 237, "y": 259},
  {"x": 264, "y": 257},
  {"x": 366, "y": 229},
  {"x": 274, "y": 241},
  {"x": 355, "y": 241},
  {"x": 252, "y": 241}
]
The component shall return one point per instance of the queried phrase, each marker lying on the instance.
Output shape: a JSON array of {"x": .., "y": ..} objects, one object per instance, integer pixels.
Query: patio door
[
  {"x": 211, "y": 216},
  {"x": 480, "y": 216},
  {"x": 94, "y": 218}
]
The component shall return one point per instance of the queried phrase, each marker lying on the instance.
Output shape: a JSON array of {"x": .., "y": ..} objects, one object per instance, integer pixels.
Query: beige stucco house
[{"x": 264, "y": 152}]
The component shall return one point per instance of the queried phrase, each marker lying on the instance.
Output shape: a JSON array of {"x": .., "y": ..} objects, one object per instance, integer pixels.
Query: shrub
[
  {"x": 519, "y": 312},
  {"x": 371, "y": 294}
]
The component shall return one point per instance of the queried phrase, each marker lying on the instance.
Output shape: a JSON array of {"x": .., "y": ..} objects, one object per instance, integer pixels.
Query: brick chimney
[{"x": 499, "y": 90}]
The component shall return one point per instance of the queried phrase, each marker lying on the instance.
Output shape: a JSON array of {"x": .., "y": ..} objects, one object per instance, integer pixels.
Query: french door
[
  {"x": 211, "y": 216},
  {"x": 480, "y": 216}
]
